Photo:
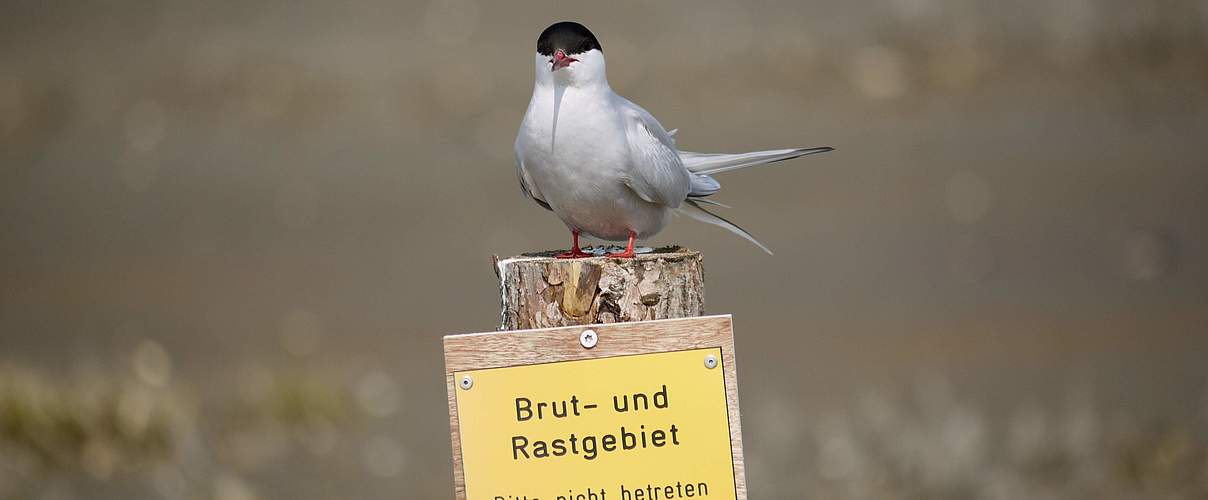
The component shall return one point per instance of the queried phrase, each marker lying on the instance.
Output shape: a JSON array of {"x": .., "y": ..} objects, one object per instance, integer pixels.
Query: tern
[{"x": 605, "y": 165}]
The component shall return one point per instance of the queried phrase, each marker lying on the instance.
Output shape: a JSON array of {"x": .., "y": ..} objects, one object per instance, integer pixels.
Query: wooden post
[
  {"x": 689, "y": 356},
  {"x": 539, "y": 291}
]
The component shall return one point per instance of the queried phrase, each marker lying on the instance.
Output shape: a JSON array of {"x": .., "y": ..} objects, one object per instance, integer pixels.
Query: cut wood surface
[{"x": 539, "y": 291}]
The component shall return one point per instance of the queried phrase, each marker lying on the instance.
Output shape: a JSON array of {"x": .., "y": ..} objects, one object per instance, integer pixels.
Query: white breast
[{"x": 577, "y": 155}]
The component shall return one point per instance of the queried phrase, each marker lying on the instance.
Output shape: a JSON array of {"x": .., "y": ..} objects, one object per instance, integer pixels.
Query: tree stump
[{"x": 539, "y": 291}]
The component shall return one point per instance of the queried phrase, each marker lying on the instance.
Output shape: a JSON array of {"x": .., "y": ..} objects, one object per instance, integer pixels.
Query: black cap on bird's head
[
  {"x": 564, "y": 40},
  {"x": 573, "y": 38}
]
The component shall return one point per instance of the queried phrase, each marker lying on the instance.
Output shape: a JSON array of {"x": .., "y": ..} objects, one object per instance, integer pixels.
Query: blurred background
[{"x": 233, "y": 233}]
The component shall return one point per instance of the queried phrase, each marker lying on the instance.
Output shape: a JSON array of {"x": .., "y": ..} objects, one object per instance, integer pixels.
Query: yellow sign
[{"x": 626, "y": 427}]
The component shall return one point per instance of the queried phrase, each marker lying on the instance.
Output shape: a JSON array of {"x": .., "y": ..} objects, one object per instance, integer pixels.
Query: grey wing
[
  {"x": 656, "y": 173},
  {"x": 526, "y": 183}
]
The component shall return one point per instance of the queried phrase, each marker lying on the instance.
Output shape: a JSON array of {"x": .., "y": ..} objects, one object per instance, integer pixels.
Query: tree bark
[{"x": 539, "y": 291}]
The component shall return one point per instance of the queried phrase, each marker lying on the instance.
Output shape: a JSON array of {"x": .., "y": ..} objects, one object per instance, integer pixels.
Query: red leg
[
  {"x": 575, "y": 252},
  {"x": 628, "y": 253}
]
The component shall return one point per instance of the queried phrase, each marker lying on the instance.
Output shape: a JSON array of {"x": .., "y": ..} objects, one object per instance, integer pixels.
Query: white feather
[
  {"x": 692, "y": 209},
  {"x": 715, "y": 163}
]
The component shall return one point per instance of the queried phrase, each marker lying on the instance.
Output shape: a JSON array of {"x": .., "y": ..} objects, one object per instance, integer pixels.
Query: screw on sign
[{"x": 588, "y": 339}]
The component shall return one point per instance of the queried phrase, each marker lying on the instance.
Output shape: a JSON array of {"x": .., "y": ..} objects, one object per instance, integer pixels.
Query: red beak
[{"x": 561, "y": 60}]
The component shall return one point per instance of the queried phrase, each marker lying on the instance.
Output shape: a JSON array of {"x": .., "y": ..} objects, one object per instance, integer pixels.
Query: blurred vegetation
[
  {"x": 924, "y": 444},
  {"x": 123, "y": 428},
  {"x": 933, "y": 445},
  {"x": 96, "y": 427}
]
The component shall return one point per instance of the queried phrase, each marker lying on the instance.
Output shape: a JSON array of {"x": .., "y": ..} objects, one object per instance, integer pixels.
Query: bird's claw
[
  {"x": 574, "y": 253},
  {"x": 627, "y": 254}
]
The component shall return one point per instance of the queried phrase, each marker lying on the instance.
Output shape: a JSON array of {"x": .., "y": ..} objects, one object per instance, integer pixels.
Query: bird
[{"x": 604, "y": 165}]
